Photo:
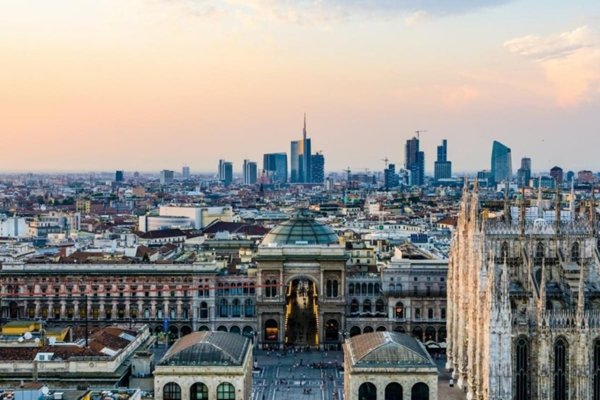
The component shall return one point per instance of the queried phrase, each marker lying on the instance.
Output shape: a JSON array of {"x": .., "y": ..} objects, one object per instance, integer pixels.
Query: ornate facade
[{"x": 524, "y": 300}]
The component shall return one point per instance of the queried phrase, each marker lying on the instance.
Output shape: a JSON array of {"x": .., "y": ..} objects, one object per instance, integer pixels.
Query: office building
[
  {"x": 275, "y": 167},
  {"x": 225, "y": 172},
  {"x": 524, "y": 173},
  {"x": 442, "y": 167},
  {"x": 301, "y": 160},
  {"x": 390, "y": 179},
  {"x": 166, "y": 176},
  {"x": 501, "y": 163},
  {"x": 249, "y": 172},
  {"x": 557, "y": 174},
  {"x": 119, "y": 176},
  {"x": 318, "y": 168},
  {"x": 185, "y": 172},
  {"x": 415, "y": 162}
]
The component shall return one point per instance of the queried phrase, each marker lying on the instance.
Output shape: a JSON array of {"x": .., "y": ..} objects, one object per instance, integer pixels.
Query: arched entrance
[
  {"x": 332, "y": 331},
  {"x": 302, "y": 312},
  {"x": 271, "y": 333},
  {"x": 355, "y": 331},
  {"x": 185, "y": 330}
]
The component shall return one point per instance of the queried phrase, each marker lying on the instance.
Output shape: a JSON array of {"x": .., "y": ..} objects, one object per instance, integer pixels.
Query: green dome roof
[{"x": 301, "y": 229}]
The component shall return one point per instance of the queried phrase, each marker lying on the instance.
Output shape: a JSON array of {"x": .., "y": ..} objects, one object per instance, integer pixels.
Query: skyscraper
[
  {"x": 415, "y": 162},
  {"x": 119, "y": 176},
  {"x": 166, "y": 176},
  {"x": 501, "y": 162},
  {"x": 185, "y": 172},
  {"x": 442, "y": 167},
  {"x": 300, "y": 159},
  {"x": 390, "y": 179},
  {"x": 318, "y": 168},
  {"x": 524, "y": 173},
  {"x": 250, "y": 172},
  {"x": 225, "y": 172},
  {"x": 275, "y": 167},
  {"x": 557, "y": 174}
]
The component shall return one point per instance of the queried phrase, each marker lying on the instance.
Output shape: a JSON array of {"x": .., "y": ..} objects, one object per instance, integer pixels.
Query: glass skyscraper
[{"x": 501, "y": 162}]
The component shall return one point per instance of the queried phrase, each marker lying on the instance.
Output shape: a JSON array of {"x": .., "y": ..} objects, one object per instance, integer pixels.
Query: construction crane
[
  {"x": 418, "y": 132},
  {"x": 385, "y": 160},
  {"x": 348, "y": 172}
]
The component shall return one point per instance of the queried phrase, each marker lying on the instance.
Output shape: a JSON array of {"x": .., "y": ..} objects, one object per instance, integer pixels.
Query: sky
[{"x": 145, "y": 85}]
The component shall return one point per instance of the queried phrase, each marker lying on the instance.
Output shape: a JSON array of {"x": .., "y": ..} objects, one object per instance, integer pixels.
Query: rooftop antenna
[
  {"x": 418, "y": 132},
  {"x": 385, "y": 160}
]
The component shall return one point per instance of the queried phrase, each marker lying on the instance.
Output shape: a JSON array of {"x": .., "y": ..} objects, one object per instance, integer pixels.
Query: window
[
  {"x": 417, "y": 313},
  {"x": 225, "y": 391},
  {"x": 351, "y": 289},
  {"x": 379, "y": 306},
  {"x": 248, "y": 308},
  {"x": 203, "y": 310},
  {"x": 399, "y": 310},
  {"x": 199, "y": 391},
  {"x": 443, "y": 313},
  {"x": 575, "y": 252},
  {"x": 224, "y": 309},
  {"x": 430, "y": 313},
  {"x": 420, "y": 391},
  {"x": 236, "y": 308},
  {"x": 367, "y": 391},
  {"x": 522, "y": 370},
  {"x": 367, "y": 306},
  {"x": 354, "y": 306},
  {"x": 172, "y": 391},
  {"x": 560, "y": 370},
  {"x": 393, "y": 391}
]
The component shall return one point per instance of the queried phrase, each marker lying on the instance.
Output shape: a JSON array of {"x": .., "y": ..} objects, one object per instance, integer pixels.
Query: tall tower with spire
[{"x": 301, "y": 158}]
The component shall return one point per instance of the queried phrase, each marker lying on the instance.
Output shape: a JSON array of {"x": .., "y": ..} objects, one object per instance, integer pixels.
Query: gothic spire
[
  {"x": 593, "y": 210},
  {"x": 506, "y": 204},
  {"x": 522, "y": 212},
  {"x": 540, "y": 208},
  {"x": 581, "y": 293},
  {"x": 542, "y": 302},
  {"x": 572, "y": 200},
  {"x": 557, "y": 210}
]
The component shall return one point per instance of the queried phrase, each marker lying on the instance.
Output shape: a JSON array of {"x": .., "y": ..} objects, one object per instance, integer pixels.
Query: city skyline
[{"x": 121, "y": 82}]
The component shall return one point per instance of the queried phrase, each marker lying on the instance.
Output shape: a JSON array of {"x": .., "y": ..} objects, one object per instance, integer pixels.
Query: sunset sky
[{"x": 152, "y": 84}]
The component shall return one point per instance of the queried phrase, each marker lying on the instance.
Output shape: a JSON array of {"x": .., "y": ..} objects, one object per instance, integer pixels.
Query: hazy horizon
[{"x": 146, "y": 85}]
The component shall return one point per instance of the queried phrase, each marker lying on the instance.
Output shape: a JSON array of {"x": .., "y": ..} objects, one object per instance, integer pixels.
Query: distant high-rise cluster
[
  {"x": 501, "y": 163},
  {"x": 442, "y": 167},
  {"x": 166, "y": 176},
  {"x": 415, "y": 162},
  {"x": 119, "y": 176},
  {"x": 390, "y": 179}
]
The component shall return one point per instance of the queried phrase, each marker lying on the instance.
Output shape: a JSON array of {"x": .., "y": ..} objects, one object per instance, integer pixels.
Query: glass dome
[{"x": 301, "y": 229}]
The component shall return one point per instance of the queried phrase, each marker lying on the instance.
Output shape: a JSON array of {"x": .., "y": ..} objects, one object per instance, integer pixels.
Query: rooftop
[
  {"x": 385, "y": 349},
  {"x": 208, "y": 348},
  {"x": 301, "y": 229}
]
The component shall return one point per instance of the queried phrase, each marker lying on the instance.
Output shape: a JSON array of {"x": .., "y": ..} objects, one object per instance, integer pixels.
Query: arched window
[
  {"x": 379, "y": 306},
  {"x": 370, "y": 289},
  {"x": 273, "y": 288},
  {"x": 171, "y": 391},
  {"x": 596, "y": 370},
  {"x": 199, "y": 391},
  {"x": 368, "y": 329},
  {"x": 575, "y": 253},
  {"x": 430, "y": 333},
  {"x": 225, "y": 391},
  {"x": 560, "y": 369},
  {"x": 248, "y": 308},
  {"x": 235, "y": 329},
  {"x": 367, "y": 391},
  {"x": 354, "y": 306},
  {"x": 420, "y": 391},
  {"x": 399, "y": 310},
  {"x": 335, "y": 288},
  {"x": 146, "y": 313},
  {"x": 417, "y": 332},
  {"x": 367, "y": 306},
  {"x": 236, "y": 308},
  {"x": 504, "y": 250},
  {"x": 203, "y": 310},
  {"x": 363, "y": 289},
  {"x": 267, "y": 288},
  {"x": 393, "y": 391},
  {"x": 351, "y": 289},
  {"x": 355, "y": 331},
  {"x": 522, "y": 370},
  {"x": 224, "y": 309}
]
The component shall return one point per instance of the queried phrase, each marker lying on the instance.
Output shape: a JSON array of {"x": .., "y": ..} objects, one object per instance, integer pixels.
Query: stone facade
[{"x": 523, "y": 309}]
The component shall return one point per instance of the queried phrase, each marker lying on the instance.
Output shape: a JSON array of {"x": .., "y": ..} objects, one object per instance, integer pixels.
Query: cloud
[
  {"x": 318, "y": 11},
  {"x": 569, "y": 60}
]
